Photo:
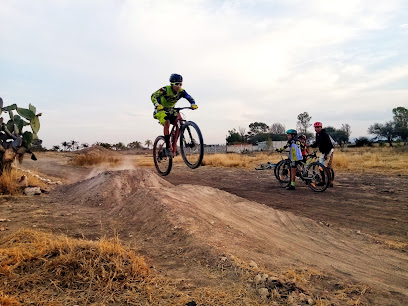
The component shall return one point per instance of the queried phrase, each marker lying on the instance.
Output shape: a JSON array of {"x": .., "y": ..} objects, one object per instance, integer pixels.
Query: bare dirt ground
[{"x": 189, "y": 223}]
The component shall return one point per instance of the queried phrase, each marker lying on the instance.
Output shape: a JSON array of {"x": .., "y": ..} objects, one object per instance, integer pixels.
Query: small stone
[
  {"x": 30, "y": 191},
  {"x": 264, "y": 292},
  {"x": 258, "y": 279},
  {"x": 264, "y": 277},
  {"x": 253, "y": 264},
  {"x": 310, "y": 301}
]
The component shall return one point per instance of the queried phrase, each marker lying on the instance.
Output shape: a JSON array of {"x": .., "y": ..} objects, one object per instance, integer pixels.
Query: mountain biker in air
[
  {"x": 325, "y": 145},
  {"x": 164, "y": 100},
  {"x": 295, "y": 155}
]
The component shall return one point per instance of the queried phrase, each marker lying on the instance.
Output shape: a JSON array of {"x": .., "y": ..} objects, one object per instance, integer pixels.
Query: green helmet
[{"x": 291, "y": 131}]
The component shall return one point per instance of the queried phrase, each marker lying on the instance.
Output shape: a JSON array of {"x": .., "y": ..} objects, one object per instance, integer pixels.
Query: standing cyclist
[
  {"x": 295, "y": 155},
  {"x": 325, "y": 145},
  {"x": 164, "y": 100}
]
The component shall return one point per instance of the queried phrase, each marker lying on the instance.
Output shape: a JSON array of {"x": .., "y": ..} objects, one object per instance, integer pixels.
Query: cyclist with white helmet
[
  {"x": 295, "y": 155},
  {"x": 324, "y": 143},
  {"x": 164, "y": 100}
]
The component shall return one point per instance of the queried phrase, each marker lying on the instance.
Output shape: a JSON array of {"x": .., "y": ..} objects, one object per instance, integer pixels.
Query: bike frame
[{"x": 175, "y": 133}]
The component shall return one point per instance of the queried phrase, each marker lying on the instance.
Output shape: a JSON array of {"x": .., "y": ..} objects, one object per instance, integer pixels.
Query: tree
[
  {"x": 401, "y": 122},
  {"x": 148, "y": 143},
  {"x": 119, "y": 146},
  {"x": 104, "y": 145},
  {"x": 233, "y": 137},
  {"x": 258, "y": 128},
  {"x": 386, "y": 130},
  {"x": 134, "y": 145},
  {"x": 242, "y": 134},
  {"x": 55, "y": 148},
  {"x": 346, "y": 128},
  {"x": 84, "y": 145},
  {"x": 303, "y": 123},
  {"x": 74, "y": 145},
  {"x": 339, "y": 135},
  {"x": 277, "y": 129}
]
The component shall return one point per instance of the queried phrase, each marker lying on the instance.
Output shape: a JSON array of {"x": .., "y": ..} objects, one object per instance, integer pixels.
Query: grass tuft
[
  {"x": 9, "y": 181},
  {"x": 95, "y": 158}
]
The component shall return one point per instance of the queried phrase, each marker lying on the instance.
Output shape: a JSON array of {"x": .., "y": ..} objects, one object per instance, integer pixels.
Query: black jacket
[{"x": 323, "y": 142}]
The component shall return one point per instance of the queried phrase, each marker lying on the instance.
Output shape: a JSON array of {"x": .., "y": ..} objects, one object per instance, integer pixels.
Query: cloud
[{"x": 93, "y": 65}]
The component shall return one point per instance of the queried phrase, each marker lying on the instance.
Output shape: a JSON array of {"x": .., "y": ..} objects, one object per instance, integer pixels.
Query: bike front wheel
[
  {"x": 283, "y": 173},
  {"x": 162, "y": 161},
  {"x": 191, "y": 144},
  {"x": 317, "y": 177}
]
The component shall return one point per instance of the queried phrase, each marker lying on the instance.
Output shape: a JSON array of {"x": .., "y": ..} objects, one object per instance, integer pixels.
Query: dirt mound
[{"x": 188, "y": 223}]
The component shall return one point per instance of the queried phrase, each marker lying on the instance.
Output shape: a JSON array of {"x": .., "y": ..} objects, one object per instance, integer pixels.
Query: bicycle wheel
[
  {"x": 275, "y": 171},
  {"x": 191, "y": 145},
  {"x": 283, "y": 173},
  {"x": 162, "y": 162},
  {"x": 317, "y": 177}
]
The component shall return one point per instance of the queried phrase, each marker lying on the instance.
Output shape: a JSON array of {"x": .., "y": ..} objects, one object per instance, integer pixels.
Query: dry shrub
[
  {"x": 237, "y": 160},
  {"x": 9, "y": 181},
  {"x": 95, "y": 158},
  {"x": 43, "y": 268}
]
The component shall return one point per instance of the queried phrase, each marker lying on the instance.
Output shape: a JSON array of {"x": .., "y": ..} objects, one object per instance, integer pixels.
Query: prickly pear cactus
[{"x": 14, "y": 142}]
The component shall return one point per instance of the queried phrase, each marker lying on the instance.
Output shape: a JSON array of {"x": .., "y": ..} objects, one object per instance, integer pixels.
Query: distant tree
[
  {"x": 242, "y": 134},
  {"x": 346, "y": 128},
  {"x": 303, "y": 123},
  {"x": 258, "y": 128},
  {"x": 84, "y": 145},
  {"x": 339, "y": 135},
  {"x": 277, "y": 129},
  {"x": 148, "y": 143},
  {"x": 363, "y": 141},
  {"x": 233, "y": 137},
  {"x": 65, "y": 145},
  {"x": 56, "y": 148},
  {"x": 119, "y": 146},
  {"x": 401, "y": 122},
  {"x": 134, "y": 145},
  {"x": 386, "y": 130},
  {"x": 104, "y": 145},
  {"x": 74, "y": 145}
]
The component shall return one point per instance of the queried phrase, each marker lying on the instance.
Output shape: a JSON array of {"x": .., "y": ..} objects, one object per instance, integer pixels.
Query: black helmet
[
  {"x": 176, "y": 78},
  {"x": 291, "y": 131},
  {"x": 303, "y": 136}
]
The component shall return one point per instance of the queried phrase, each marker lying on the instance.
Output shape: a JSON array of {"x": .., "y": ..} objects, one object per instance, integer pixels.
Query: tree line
[
  {"x": 74, "y": 145},
  {"x": 260, "y": 131},
  {"x": 396, "y": 129}
]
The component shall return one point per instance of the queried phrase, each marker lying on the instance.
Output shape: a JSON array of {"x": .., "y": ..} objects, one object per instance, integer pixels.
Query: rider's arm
[
  {"x": 188, "y": 97},
  {"x": 157, "y": 95}
]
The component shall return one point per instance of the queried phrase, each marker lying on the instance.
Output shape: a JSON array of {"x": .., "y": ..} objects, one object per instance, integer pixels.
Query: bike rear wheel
[
  {"x": 191, "y": 144},
  {"x": 317, "y": 177},
  {"x": 275, "y": 171},
  {"x": 162, "y": 162},
  {"x": 283, "y": 173}
]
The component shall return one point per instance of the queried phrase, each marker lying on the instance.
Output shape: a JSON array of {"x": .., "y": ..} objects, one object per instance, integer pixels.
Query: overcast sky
[{"x": 91, "y": 66}]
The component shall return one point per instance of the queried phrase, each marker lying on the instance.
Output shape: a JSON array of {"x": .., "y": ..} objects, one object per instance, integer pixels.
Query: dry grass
[
  {"x": 9, "y": 181},
  {"x": 43, "y": 269},
  {"x": 95, "y": 158},
  {"x": 385, "y": 160}
]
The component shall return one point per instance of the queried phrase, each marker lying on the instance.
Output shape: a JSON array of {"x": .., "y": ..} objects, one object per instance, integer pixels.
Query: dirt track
[{"x": 180, "y": 233}]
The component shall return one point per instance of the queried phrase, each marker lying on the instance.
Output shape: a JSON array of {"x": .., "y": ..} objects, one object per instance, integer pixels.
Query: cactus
[{"x": 14, "y": 142}]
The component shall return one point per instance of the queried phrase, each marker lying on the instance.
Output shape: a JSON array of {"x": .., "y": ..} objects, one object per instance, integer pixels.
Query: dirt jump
[{"x": 189, "y": 229}]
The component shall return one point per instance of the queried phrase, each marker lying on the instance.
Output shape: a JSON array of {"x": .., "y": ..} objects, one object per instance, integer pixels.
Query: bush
[{"x": 363, "y": 142}]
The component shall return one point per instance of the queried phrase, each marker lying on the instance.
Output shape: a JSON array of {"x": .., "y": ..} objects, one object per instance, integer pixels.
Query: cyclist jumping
[
  {"x": 295, "y": 155},
  {"x": 164, "y": 100}
]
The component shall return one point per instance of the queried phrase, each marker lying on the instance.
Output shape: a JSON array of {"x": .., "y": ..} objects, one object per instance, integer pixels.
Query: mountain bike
[
  {"x": 191, "y": 144},
  {"x": 314, "y": 174}
]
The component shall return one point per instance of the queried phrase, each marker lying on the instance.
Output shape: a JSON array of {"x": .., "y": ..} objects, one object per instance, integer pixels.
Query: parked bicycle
[
  {"x": 313, "y": 173},
  {"x": 191, "y": 144}
]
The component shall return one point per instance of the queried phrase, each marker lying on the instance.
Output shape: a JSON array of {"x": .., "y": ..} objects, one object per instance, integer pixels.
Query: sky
[{"x": 90, "y": 66}]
